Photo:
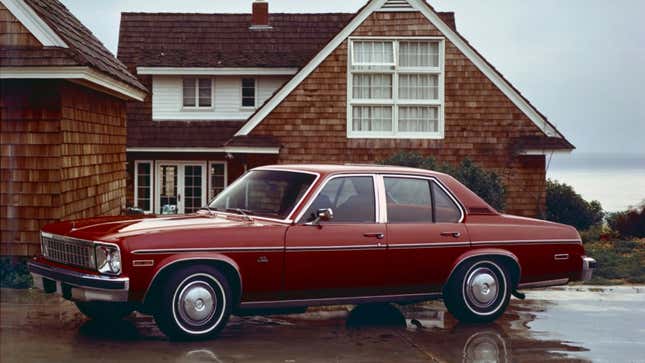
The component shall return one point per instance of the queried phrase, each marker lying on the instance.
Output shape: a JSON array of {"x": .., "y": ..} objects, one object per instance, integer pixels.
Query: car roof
[{"x": 350, "y": 168}]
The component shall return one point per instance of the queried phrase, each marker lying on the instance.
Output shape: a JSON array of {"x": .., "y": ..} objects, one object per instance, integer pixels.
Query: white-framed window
[
  {"x": 143, "y": 178},
  {"x": 217, "y": 178},
  {"x": 248, "y": 92},
  {"x": 197, "y": 93},
  {"x": 395, "y": 88}
]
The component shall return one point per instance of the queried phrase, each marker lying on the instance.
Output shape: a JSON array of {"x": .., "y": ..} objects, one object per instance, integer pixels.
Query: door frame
[{"x": 180, "y": 181}]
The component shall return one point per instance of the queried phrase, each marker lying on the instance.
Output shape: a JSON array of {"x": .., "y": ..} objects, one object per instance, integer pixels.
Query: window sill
[
  {"x": 432, "y": 136},
  {"x": 197, "y": 109}
]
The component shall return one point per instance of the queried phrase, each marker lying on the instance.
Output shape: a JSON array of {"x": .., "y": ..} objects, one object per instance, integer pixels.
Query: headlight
[{"x": 108, "y": 259}]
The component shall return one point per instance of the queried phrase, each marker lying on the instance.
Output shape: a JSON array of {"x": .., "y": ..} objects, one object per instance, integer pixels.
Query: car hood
[{"x": 112, "y": 229}]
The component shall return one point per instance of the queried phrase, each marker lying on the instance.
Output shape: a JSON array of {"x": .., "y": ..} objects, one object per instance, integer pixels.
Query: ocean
[{"x": 617, "y": 181}]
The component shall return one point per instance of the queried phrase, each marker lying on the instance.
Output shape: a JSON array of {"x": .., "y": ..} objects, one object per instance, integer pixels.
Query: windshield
[{"x": 266, "y": 193}]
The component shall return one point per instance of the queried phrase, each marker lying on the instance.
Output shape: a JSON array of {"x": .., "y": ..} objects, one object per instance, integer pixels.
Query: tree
[
  {"x": 564, "y": 205},
  {"x": 630, "y": 223}
]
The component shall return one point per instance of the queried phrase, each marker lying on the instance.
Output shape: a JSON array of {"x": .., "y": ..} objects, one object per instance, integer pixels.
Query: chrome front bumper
[
  {"x": 588, "y": 265},
  {"x": 78, "y": 286}
]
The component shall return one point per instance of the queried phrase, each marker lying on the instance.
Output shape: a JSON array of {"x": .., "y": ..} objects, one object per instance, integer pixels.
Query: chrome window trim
[
  {"x": 431, "y": 179},
  {"x": 377, "y": 211},
  {"x": 288, "y": 219}
]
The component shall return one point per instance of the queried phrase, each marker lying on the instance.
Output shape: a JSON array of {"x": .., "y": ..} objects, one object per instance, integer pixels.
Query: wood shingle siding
[
  {"x": 13, "y": 33},
  {"x": 481, "y": 123},
  {"x": 63, "y": 157}
]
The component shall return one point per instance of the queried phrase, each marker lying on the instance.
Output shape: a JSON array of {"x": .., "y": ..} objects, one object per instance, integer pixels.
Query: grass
[{"x": 619, "y": 261}]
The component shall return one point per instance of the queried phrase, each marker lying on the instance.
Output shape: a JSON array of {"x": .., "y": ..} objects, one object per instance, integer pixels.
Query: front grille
[{"x": 68, "y": 251}]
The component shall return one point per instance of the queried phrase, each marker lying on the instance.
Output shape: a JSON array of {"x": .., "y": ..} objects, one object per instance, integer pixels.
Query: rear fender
[{"x": 484, "y": 252}]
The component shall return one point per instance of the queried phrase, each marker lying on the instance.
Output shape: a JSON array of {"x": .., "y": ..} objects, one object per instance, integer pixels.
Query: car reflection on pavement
[{"x": 56, "y": 332}]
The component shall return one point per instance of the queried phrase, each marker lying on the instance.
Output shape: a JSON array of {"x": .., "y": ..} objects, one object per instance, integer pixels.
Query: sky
[{"x": 580, "y": 62}]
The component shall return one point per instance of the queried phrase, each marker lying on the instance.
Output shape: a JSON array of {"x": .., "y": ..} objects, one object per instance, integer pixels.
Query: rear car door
[
  {"x": 341, "y": 257},
  {"x": 425, "y": 233}
]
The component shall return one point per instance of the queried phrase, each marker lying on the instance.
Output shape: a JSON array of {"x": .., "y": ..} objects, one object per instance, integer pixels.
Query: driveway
[{"x": 570, "y": 323}]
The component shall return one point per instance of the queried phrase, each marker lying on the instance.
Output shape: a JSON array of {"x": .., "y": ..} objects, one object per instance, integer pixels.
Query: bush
[
  {"x": 630, "y": 223},
  {"x": 14, "y": 273},
  {"x": 487, "y": 184},
  {"x": 617, "y": 261},
  {"x": 564, "y": 205}
]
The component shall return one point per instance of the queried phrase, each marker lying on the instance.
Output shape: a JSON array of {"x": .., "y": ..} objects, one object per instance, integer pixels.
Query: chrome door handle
[
  {"x": 451, "y": 234},
  {"x": 377, "y": 235}
]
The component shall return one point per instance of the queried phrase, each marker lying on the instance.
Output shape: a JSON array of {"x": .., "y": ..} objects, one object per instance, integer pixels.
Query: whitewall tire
[
  {"x": 195, "y": 303},
  {"x": 478, "y": 291}
]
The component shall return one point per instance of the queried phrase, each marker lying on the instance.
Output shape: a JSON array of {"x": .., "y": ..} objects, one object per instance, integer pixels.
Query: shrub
[
  {"x": 618, "y": 260},
  {"x": 630, "y": 223},
  {"x": 564, "y": 205},
  {"x": 14, "y": 273},
  {"x": 485, "y": 183}
]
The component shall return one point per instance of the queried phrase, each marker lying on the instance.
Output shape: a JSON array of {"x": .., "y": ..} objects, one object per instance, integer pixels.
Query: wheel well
[
  {"x": 231, "y": 274},
  {"x": 511, "y": 265}
]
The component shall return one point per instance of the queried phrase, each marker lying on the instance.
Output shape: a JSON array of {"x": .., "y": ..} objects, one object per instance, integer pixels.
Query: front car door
[
  {"x": 425, "y": 232},
  {"x": 344, "y": 256}
]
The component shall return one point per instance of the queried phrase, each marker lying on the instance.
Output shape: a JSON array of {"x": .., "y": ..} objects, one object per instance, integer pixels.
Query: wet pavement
[{"x": 576, "y": 323}]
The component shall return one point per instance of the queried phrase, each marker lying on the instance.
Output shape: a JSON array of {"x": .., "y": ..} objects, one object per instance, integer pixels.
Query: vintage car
[{"x": 292, "y": 236}]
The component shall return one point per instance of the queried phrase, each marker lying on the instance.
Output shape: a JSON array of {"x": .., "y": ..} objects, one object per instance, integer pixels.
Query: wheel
[
  {"x": 195, "y": 303},
  {"x": 104, "y": 311},
  {"x": 478, "y": 291}
]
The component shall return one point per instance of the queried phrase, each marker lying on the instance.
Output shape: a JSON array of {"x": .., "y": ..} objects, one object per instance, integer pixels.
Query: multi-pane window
[
  {"x": 248, "y": 92},
  {"x": 217, "y": 179},
  {"x": 192, "y": 188},
  {"x": 143, "y": 188},
  {"x": 396, "y": 88},
  {"x": 198, "y": 92}
]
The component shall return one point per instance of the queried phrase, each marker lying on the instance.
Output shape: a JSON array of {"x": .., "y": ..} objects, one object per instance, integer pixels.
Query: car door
[
  {"x": 341, "y": 257},
  {"x": 425, "y": 233}
]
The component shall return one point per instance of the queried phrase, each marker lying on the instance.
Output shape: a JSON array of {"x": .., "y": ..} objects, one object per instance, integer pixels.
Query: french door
[{"x": 180, "y": 187}]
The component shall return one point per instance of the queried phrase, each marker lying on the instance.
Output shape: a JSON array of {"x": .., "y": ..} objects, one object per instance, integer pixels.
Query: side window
[
  {"x": 350, "y": 198},
  {"x": 408, "y": 200},
  {"x": 445, "y": 209}
]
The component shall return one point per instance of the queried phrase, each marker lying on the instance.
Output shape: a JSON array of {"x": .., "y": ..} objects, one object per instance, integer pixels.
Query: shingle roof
[
  {"x": 226, "y": 40},
  {"x": 542, "y": 143},
  {"x": 84, "y": 48}
]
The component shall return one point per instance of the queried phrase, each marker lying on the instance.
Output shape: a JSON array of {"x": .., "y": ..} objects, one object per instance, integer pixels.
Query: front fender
[{"x": 164, "y": 263}]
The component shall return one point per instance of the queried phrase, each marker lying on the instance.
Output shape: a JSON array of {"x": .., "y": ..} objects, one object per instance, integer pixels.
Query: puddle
[{"x": 573, "y": 323}]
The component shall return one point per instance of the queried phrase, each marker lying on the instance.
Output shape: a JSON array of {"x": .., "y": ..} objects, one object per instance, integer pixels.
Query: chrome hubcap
[
  {"x": 197, "y": 302},
  {"x": 482, "y": 287}
]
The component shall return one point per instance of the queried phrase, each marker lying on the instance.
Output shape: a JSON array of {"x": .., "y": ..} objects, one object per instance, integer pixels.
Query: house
[
  {"x": 233, "y": 91},
  {"x": 63, "y": 122}
]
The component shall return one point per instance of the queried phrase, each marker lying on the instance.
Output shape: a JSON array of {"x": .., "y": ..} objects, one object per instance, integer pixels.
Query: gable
[
  {"x": 32, "y": 23},
  {"x": 14, "y": 34},
  {"x": 443, "y": 30}
]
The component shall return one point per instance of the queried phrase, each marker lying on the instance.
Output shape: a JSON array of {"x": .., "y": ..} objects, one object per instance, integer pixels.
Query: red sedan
[{"x": 292, "y": 236}]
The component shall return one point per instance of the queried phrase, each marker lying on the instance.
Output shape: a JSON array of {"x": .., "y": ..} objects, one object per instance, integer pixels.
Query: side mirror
[{"x": 323, "y": 215}]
